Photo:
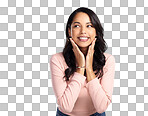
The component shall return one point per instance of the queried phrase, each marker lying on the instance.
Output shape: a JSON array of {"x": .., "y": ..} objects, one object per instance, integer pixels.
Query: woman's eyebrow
[{"x": 86, "y": 23}]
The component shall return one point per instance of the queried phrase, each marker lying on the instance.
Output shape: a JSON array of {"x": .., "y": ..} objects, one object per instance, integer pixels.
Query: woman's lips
[{"x": 83, "y": 39}]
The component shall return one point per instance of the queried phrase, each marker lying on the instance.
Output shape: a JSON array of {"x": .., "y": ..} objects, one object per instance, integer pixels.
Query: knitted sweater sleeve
[
  {"x": 101, "y": 89},
  {"x": 66, "y": 94}
]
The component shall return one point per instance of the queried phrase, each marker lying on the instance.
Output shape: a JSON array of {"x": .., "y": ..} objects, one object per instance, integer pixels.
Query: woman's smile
[{"x": 83, "y": 39}]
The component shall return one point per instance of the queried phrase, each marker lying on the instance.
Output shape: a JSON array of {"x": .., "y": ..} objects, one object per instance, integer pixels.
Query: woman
[{"x": 83, "y": 74}]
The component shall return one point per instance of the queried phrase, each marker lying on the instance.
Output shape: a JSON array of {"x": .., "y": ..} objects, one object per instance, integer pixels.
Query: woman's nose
[{"x": 83, "y": 30}]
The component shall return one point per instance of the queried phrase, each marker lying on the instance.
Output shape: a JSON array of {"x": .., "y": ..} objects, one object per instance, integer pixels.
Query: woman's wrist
[
  {"x": 80, "y": 66},
  {"x": 89, "y": 69},
  {"x": 80, "y": 70}
]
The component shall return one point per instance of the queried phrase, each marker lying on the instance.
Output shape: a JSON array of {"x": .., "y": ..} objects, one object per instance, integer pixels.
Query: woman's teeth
[{"x": 83, "y": 39}]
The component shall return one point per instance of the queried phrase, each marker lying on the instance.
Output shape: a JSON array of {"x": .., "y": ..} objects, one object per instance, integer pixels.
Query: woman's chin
[{"x": 83, "y": 46}]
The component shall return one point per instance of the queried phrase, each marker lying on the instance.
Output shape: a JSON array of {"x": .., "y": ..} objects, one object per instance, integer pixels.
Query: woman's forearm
[{"x": 90, "y": 74}]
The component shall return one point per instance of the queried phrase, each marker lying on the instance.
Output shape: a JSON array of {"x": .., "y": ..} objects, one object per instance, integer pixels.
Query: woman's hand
[
  {"x": 80, "y": 59},
  {"x": 89, "y": 57}
]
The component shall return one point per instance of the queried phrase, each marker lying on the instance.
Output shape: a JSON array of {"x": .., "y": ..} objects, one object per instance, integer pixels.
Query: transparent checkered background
[{"x": 32, "y": 30}]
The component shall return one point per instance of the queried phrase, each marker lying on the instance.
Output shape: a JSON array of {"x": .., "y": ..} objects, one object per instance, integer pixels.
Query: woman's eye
[
  {"x": 89, "y": 26},
  {"x": 76, "y": 26}
]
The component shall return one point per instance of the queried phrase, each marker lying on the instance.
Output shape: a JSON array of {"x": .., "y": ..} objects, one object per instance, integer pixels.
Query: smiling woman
[{"x": 83, "y": 74}]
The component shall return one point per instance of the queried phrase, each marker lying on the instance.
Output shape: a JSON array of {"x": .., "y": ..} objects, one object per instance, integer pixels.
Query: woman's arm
[
  {"x": 101, "y": 89},
  {"x": 66, "y": 94}
]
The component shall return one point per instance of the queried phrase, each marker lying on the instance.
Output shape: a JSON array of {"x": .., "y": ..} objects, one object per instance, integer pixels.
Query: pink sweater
[{"x": 77, "y": 97}]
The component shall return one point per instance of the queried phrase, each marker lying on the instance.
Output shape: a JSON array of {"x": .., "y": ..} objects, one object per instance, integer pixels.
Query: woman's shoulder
[
  {"x": 57, "y": 56},
  {"x": 109, "y": 57},
  {"x": 107, "y": 54}
]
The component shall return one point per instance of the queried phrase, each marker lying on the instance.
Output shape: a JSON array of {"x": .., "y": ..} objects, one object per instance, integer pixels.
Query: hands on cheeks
[
  {"x": 80, "y": 56},
  {"x": 88, "y": 62}
]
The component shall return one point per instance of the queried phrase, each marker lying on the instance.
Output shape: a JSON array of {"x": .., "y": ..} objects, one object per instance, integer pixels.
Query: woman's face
[{"x": 82, "y": 30}]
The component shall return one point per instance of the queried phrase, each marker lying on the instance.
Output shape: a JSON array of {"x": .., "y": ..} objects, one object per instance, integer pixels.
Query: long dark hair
[{"x": 100, "y": 45}]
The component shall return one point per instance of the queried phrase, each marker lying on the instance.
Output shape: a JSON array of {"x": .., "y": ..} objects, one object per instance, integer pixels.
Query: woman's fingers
[
  {"x": 93, "y": 44},
  {"x": 91, "y": 47},
  {"x": 73, "y": 44}
]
